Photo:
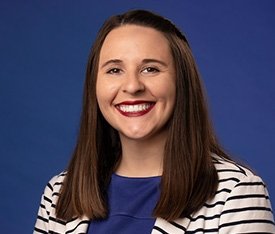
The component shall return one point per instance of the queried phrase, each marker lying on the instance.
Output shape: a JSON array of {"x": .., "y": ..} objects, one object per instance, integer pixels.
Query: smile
[{"x": 135, "y": 109}]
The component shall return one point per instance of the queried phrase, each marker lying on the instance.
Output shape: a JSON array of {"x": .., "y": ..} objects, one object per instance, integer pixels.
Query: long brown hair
[{"x": 189, "y": 176}]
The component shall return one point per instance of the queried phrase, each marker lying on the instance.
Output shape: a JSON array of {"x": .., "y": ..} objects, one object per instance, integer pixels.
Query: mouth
[{"x": 134, "y": 109}]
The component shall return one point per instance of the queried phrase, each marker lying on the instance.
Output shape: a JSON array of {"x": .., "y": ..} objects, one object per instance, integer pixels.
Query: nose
[{"x": 133, "y": 84}]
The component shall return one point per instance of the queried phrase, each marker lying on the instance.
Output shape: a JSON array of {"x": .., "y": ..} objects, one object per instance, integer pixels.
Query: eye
[
  {"x": 114, "y": 71},
  {"x": 150, "y": 70}
]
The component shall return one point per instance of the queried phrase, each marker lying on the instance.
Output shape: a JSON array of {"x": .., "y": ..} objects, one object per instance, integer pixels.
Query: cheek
[
  {"x": 170, "y": 90},
  {"x": 168, "y": 96},
  {"x": 98, "y": 94},
  {"x": 105, "y": 93},
  {"x": 101, "y": 96},
  {"x": 165, "y": 91}
]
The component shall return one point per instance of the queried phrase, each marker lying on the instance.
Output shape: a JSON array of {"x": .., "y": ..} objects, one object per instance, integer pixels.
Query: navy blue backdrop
[{"x": 43, "y": 51}]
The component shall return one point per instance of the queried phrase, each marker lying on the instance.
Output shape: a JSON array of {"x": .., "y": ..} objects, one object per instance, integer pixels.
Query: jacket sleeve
[
  {"x": 44, "y": 211},
  {"x": 247, "y": 208}
]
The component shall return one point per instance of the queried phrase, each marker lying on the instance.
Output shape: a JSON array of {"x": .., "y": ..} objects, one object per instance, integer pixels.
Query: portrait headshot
[{"x": 132, "y": 117}]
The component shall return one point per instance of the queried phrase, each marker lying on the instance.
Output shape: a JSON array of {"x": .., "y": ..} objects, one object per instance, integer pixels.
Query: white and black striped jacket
[{"x": 241, "y": 205}]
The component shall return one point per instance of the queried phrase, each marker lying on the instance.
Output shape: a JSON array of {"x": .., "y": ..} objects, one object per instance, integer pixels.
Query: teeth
[{"x": 134, "y": 108}]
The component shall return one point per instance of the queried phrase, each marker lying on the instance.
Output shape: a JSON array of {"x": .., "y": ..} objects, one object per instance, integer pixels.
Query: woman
[{"x": 147, "y": 159}]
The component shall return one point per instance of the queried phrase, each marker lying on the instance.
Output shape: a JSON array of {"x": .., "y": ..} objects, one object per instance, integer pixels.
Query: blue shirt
[{"x": 131, "y": 203}]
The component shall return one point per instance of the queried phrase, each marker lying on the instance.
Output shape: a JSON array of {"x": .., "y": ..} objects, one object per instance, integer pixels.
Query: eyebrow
[
  {"x": 149, "y": 60},
  {"x": 144, "y": 61},
  {"x": 111, "y": 61}
]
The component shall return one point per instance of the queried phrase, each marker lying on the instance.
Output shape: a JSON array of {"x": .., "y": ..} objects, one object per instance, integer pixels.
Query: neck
[{"x": 141, "y": 158}]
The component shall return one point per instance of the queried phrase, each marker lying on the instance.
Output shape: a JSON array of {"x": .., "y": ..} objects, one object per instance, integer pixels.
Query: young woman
[{"x": 147, "y": 159}]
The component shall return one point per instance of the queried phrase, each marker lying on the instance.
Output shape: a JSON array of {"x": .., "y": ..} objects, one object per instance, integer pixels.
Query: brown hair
[{"x": 189, "y": 176}]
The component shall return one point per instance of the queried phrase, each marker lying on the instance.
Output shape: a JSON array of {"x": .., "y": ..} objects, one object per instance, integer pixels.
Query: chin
[{"x": 136, "y": 136}]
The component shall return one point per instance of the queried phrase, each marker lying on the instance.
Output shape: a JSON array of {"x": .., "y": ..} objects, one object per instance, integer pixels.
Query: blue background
[{"x": 44, "y": 47}]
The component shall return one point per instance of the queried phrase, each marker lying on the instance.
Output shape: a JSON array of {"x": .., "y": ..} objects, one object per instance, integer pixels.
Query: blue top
[{"x": 131, "y": 203}]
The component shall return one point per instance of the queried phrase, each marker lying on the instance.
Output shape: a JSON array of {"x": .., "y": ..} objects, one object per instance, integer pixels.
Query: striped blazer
[{"x": 241, "y": 205}]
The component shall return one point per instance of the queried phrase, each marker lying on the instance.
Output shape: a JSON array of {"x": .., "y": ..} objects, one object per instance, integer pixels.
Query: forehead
[{"x": 129, "y": 39}]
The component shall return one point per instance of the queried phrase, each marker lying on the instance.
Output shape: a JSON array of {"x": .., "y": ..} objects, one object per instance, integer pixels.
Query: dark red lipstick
[{"x": 135, "y": 108}]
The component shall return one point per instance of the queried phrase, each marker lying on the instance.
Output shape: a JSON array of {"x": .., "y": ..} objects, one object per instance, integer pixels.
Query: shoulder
[
  {"x": 54, "y": 185},
  {"x": 47, "y": 222},
  {"x": 46, "y": 213},
  {"x": 51, "y": 192},
  {"x": 56, "y": 182},
  {"x": 229, "y": 170},
  {"x": 236, "y": 178},
  {"x": 227, "y": 167}
]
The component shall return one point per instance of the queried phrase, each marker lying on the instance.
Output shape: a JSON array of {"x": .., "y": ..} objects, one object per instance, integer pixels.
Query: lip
[{"x": 149, "y": 106}]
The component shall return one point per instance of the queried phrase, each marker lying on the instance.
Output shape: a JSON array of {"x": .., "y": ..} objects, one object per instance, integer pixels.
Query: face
[{"x": 136, "y": 82}]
